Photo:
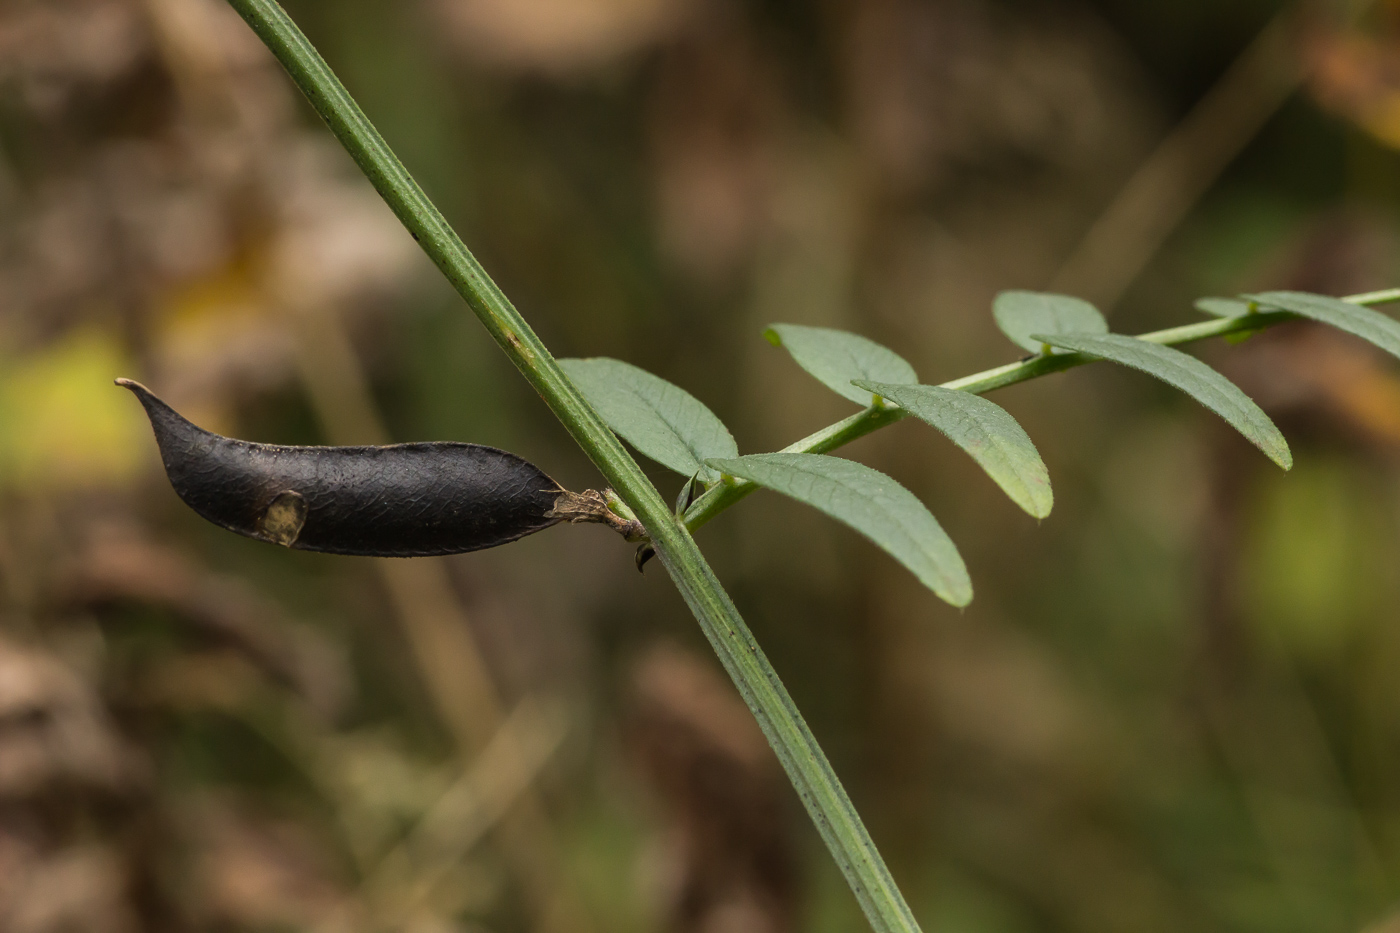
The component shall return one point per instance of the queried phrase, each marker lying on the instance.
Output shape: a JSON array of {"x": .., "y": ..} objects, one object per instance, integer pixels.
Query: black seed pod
[{"x": 404, "y": 500}]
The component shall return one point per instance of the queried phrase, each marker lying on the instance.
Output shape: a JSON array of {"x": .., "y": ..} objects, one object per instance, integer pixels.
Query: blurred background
[{"x": 1173, "y": 706}]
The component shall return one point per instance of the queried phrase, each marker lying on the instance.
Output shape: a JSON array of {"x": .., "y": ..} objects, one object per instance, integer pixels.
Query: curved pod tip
[{"x": 401, "y": 500}]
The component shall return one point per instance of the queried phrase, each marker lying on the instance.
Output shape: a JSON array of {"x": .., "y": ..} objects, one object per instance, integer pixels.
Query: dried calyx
[{"x": 402, "y": 500}]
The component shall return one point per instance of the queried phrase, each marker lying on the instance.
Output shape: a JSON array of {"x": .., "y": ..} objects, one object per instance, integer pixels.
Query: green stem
[
  {"x": 723, "y": 495},
  {"x": 826, "y": 801}
]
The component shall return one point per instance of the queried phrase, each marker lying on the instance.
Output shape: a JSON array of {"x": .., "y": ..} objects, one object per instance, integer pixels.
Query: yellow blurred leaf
[
  {"x": 1311, "y": 579},
  {"x": 62, "y": 422}
]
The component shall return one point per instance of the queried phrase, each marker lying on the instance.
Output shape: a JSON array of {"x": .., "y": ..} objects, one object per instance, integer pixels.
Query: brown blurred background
[{"x": 1173, "y": 706}]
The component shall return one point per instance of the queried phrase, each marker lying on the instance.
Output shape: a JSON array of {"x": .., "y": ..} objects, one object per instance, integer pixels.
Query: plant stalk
[
  {"x": 723, "y": 495},
  {"x": 811, "y": 775}
]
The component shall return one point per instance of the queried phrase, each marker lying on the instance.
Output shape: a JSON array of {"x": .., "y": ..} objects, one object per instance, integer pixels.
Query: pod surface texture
[{"x": 403, "y": 500}]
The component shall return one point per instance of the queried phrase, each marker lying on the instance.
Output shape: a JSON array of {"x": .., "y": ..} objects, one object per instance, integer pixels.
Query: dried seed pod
[{"x": 403, "y": 500}]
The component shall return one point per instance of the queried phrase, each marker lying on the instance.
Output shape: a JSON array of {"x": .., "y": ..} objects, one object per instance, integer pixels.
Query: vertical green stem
[{"x": 758, "y": 683}]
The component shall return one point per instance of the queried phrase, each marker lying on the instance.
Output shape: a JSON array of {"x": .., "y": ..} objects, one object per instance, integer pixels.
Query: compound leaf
[
  {"x": 836, "y": 357},
  {"x": 1189, "y": 375},
  {"x": 987, "y": 432},
  {"x": 1369, "y": 325},
  {"x": 660, "y": 419},
  {"x": 1022, "y": 315},
  {"x": 871, "y": 503}
]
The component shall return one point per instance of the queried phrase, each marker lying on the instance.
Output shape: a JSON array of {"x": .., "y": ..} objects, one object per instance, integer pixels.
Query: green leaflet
[
  {"x": 871, "y": 503},
  {"x": 836, "y": 358},
  {"x": 987, "y": 432},
  {"x": 1222, "y": 307},
  {"x": 1022, "y": 315},
  {"x": 660, "y": 419},
  {"x": 1371, "y": 326},
  {"x": 1191, "y": 376}
]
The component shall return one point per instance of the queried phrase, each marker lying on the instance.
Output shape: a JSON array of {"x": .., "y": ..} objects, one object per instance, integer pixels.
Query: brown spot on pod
[
  {"x": 283, "y": 519},
  {"x": 403, "y": 500}
]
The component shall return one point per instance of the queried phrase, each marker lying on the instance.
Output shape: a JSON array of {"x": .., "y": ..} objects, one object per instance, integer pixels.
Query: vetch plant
[{"x": 436, "y": 498}]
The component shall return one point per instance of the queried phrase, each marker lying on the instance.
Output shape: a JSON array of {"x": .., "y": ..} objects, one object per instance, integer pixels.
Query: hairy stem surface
[{"x": 758, "y": 683}]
